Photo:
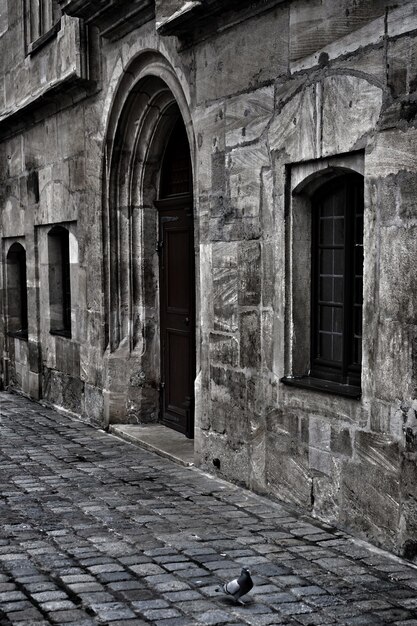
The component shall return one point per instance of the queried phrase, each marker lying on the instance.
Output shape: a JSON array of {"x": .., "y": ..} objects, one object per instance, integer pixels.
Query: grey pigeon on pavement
[{"x": 239, "y": 586}]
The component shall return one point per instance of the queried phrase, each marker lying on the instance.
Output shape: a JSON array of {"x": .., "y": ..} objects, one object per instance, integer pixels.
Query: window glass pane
[
  {"x": 337, "y": 325},
  {"x": 326, "y": 232},
  {"x": 338, "y": 290},
  {"x": 339, "y": 262},
  {"x": 337, "y": 348},
  {"x": 326, "y": 261},
  {"x": 326, "y": 289},
  {"x": 325, "y": 346},
  {"x": 326, "y": 209},
  {"x": 339, "y": 231},
  {"x": 326, "y": 318}
]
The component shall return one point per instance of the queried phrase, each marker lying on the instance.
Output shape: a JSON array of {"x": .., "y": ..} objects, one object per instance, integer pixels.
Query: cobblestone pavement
[{"x": 97, "y": 531}]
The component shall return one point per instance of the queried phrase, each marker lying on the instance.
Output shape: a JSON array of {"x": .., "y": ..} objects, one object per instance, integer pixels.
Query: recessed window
[
  {"x": 59, "y": 281},
  {"x": 41, "y": 18},
  {"x": 324, "y": 290},
  {"x": 17, "y": 301},
  {"x": 337, "y": 273}
]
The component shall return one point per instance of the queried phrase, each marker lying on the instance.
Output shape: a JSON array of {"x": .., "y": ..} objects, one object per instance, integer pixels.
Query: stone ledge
[{"x": 113, "y": 18}]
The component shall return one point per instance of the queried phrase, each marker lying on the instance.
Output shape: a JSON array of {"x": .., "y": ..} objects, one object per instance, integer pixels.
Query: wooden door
[{"x": 177, "y": 286}]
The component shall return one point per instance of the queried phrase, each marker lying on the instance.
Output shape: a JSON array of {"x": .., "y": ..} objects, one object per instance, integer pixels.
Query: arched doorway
[
  {"x": 177, "y": 284},
  {"x": 148, "y": 236}
]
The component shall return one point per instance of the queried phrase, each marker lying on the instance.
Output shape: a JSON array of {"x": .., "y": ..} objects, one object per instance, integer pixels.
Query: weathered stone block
[
  {"x": 67, "y": 356},
  {"x": 370, "y": 501},
  {"x": 218, "y": 57},
  {"x": 228, "y": 387},
  {"x": 325, "y": 492},
  {"x": 225, "y": 287},
  {"x": 249, "y": 268},
  {"x": 250, "y": 339},
  {"x": 315, "y": 23},
  {"x": 224, "y": 349},
  {"x": 394, "y": 373},
  {"x": 378, "y": 450},
  {"x": 93, "y": 404},
  {"x": 287, "y": 477},
  {"x": 247, "y": 116},
  {"x": 293, "y": 129},
  {"x": 397, "y": 265},
  {"x": 244, "y": 178},
  {"x": 341, "y": 441},
  {"x": 349, "y": 104}
]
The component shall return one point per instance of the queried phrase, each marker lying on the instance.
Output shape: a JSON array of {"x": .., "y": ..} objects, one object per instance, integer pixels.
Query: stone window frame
[
  {"x": 16, "y": 291},
  {"x": 302, "y": 181},
  {"x": 42, "y": 22},
  {"x": 59, "y": 273}
]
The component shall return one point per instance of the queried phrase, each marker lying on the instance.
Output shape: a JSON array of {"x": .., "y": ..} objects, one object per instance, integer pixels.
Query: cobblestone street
[{"x": 97, "y": 531}]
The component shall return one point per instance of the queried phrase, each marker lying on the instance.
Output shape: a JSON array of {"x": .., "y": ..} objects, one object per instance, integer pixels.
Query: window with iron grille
[{"x": 336, "y": 281}]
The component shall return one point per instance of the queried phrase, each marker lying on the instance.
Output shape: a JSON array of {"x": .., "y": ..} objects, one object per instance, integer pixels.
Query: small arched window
[
  {"x": 17, "y": 302},
  {"x": 336, "y": 280},
  {"x": 59, "y": 281}
]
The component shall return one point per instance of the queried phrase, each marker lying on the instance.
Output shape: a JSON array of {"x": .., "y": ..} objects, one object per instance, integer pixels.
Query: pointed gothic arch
[{"x": 148, "y": 105}]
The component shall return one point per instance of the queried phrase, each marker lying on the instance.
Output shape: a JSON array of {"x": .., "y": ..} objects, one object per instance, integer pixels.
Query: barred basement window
[
  {"x": 59, "y": 281},
  {"x": 17, "y": 302}
]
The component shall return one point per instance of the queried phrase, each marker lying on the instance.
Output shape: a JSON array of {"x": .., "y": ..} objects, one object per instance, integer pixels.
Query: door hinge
[
  {"x": 159, "y": 246},
  {"x": 161, "y": 386}
]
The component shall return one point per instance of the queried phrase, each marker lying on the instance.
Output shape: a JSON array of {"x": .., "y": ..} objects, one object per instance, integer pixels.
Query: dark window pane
[
  {"x": 338, "y": 320},
  {"x": 326, "y": 209},
  {"x": 326, "y": 261},
  {"x": 337, "y": 348},
  {"x": 339, "y": 231},
  {"x": 339, "y": 262},
  {"x": 338, "y": 290},
  {"x": 326, "y": 232},
  {"x": 326, "y": 318},
  {"x": 325, "y": 349},
  {"x": 326, "y": 289}
]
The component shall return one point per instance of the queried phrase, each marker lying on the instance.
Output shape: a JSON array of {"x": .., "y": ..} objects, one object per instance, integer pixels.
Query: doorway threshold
[{"x": 159, "y": 439}]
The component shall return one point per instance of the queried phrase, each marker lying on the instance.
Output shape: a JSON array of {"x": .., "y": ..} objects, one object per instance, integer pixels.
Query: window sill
[
  {"x": 323, "y": 386},
  {"x": 39, "y": 43},
  {"x": 18, "y": 334},
  {"x": 61, "y": 333}
]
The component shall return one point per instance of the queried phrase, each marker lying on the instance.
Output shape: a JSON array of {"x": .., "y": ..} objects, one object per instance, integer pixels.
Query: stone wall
[{"x": 332, "y": 87}]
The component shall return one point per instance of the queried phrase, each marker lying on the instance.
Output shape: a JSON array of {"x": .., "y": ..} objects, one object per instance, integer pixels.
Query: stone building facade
[{"x": 208, "y": 218}]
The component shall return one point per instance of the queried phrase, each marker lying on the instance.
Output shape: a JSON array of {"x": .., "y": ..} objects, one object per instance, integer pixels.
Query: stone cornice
[
  {"x": 114, "y": 18},
  {"x": 192, "y": 15}
]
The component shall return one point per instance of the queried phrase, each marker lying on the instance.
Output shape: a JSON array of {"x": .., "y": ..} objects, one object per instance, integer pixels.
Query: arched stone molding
[{"x": 148, "y": 102}]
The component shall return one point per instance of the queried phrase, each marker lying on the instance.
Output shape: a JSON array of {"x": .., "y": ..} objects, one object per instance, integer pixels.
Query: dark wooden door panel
[{"x": 177, "y": 315}]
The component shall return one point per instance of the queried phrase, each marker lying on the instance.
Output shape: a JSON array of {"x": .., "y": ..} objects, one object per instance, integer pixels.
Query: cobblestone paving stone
[{"x": 97, "y": 531}]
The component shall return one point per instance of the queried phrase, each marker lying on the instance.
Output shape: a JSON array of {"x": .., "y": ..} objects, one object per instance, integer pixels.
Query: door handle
[{"x": 187, "y": 320}]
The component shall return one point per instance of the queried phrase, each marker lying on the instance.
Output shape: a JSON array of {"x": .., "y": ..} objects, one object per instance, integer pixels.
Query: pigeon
[{"x": 239, "y": 586}]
